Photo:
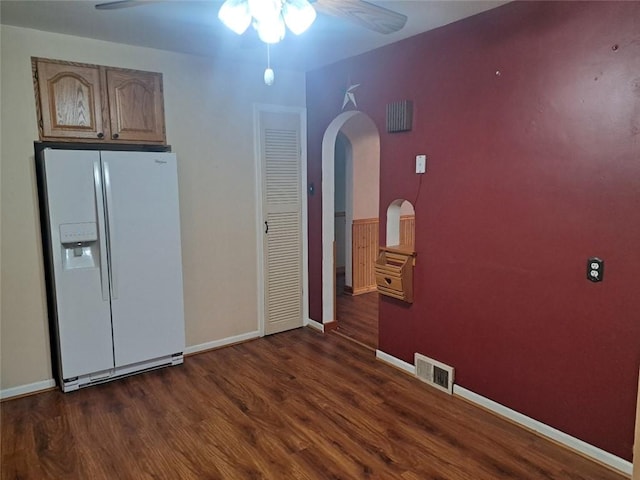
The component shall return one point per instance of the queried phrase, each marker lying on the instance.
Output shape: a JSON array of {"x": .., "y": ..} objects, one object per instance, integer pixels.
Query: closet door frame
[{"x": 260, "y": 215}]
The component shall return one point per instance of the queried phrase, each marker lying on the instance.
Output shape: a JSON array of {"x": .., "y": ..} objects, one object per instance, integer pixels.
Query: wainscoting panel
[
  {"x": 408, "y": 230},
  {"x": 365, "y": 251}
]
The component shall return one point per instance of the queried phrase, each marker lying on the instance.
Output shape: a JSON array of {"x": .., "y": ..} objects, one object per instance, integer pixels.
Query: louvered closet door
[{"x": 280, "y": 151}]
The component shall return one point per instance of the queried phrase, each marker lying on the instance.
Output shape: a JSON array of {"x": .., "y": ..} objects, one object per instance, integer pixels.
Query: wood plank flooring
[
  {"x": 297, "y": 405},
  {"x": 357, "y": 316}
]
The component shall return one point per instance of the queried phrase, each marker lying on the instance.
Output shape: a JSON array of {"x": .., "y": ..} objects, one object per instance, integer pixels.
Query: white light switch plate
[{"x": 421, "y": 163}]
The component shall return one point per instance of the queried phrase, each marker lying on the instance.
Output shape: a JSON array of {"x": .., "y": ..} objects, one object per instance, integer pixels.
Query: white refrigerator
[{"x": 111, "y": 237}]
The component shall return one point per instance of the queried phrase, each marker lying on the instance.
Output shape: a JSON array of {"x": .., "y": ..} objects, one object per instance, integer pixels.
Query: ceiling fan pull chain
[{"x": 269, "y": 76}]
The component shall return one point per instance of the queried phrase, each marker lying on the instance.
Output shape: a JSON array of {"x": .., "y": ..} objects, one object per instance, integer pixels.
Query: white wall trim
[
  {"x": 223, "y": 342},
  {"x": 47, "y": 384},
  {"x": 26, "y": 389},
  {"x": 573, "y": 443},
  {"x": 305, "y": 213},
  {"x": 396, "y": 362},
  {"x": 315, "y": 325},
  {"x": 636, "y": 442},
  {"x": 259, "y": 217},
  {"x": 328, "y": 207}
]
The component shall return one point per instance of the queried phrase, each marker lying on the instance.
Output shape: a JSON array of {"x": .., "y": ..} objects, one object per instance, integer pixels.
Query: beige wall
[
  {"x": 407, "y": 208},
  {"x": 209, "y": 121},
  {"x": 365, "y": 155}
]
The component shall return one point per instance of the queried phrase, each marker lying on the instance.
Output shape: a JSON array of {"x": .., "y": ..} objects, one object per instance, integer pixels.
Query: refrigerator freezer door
[
  {"x": 146, "y": 262},
  {"x": 83, "y": 316}
]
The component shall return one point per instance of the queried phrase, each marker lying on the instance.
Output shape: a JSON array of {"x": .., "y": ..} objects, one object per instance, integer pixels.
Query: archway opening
[
  {"x": 351, "y": 143},
  {"x": 401, "y": 224}
]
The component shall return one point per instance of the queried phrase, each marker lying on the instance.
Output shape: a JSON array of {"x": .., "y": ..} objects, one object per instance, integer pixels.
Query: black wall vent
[{"x": 400, "y": 116}]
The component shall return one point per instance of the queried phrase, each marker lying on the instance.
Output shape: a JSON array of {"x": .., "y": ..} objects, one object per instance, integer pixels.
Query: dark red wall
[{"x": 530, "y": 117}]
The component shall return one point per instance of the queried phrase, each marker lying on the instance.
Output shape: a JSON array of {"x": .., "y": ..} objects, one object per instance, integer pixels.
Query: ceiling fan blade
[
  {"x": 365, "y": 14},
  {"x": 122, "y": 4}
]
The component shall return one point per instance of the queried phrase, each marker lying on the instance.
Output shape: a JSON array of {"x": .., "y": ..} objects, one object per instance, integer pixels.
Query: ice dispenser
[{"x": 79, "y": 244}]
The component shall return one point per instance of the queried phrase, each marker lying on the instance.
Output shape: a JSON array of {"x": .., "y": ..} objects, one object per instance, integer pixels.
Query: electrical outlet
[
  {"x": 595, "y": 269},
  {"x": 421, "y": 163}
]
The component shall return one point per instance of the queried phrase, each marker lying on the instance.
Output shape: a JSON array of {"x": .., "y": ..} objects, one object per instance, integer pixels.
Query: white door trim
[
  {"x": 302, "y": 113},
  {"x": 328, "y": 206},
  {"x": 636, "y": 443}
]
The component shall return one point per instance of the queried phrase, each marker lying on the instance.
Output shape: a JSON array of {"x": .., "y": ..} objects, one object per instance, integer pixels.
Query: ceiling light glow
[
  {"x": 235, "y": 15},
  {"x": 268, "y": 17},
  {"x": 298, "y": 15}
]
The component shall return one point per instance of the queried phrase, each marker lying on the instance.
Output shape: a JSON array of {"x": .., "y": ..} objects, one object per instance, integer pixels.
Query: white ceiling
[{"x": 193, "y": 27}]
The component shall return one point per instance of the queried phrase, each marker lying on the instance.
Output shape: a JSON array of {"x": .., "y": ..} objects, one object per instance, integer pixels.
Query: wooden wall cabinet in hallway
[{"x": 365, "y": 250}]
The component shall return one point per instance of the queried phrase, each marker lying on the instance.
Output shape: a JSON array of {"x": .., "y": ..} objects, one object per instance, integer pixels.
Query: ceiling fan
[{"x": 360, "y": 12}]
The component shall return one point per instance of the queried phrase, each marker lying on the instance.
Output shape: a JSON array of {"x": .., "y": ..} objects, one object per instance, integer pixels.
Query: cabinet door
[
  {"x": 70, "y": 100},
  {"x": 135, "y": 106}
]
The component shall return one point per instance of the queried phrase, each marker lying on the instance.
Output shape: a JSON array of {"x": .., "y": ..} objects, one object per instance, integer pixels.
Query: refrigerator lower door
[
  {"x": 79, "y": 265},
  {"x": 146, "y": 264}
]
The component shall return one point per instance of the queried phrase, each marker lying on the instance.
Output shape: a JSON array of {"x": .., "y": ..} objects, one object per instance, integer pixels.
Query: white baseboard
[
  {"x": 562, "y": 438},
  {"x": 26, "y": 389},
  {"x": 573, "y": 443},
  {"x": 315, "y": 325},
  {"x": 223, "y": 342},
  {"x": 395, "y": 362},
  {"x": 46, "y": 384}
]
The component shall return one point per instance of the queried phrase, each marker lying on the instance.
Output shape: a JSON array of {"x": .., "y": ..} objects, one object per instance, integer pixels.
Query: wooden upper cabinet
[
  {"x": 70, "y": 100},
  {"x": 135, "y": 105},
  {"x": 79, "y": 102}
]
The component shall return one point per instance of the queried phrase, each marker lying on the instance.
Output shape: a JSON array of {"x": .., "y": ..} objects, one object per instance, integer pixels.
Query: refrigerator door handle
[
  {"x": 102, "y": 245},
  {"x": 110, "y": 229}
]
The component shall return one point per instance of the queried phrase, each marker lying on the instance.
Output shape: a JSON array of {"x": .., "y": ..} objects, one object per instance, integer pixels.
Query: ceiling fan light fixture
[
  {"x": 235, "y": 15},
  {"x": 298, "y": 15},
  {"x": 268, "y": 17},
  {"x": 264, "y": 10},
  {"x": 270, "y": 31}
]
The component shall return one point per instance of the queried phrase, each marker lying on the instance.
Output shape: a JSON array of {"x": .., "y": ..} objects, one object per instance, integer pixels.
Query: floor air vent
[{"x": 434, "y": 373}]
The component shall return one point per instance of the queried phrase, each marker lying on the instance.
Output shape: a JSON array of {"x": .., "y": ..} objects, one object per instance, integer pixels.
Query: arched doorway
[{"x": 362, "y": 178}]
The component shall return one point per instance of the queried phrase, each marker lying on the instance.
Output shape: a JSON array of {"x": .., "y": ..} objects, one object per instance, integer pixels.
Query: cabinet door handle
[
  {"x": 266, "y": 227},
  {"x": 116, "y": 136},
  {"x": 100, "y": 135}
]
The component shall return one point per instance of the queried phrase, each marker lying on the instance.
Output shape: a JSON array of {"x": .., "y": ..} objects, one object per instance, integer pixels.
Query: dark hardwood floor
[
  {"x": 357, "y": 316},
  {"x": 297, "y": 405}
]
